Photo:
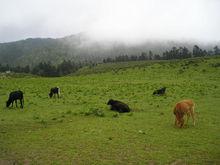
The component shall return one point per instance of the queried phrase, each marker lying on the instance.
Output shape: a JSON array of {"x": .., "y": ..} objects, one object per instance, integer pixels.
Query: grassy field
[{"x": 79, "y": 128}]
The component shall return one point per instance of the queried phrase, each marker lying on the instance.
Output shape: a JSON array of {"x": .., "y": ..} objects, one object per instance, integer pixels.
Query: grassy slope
[{"x": 62, "y": 130}]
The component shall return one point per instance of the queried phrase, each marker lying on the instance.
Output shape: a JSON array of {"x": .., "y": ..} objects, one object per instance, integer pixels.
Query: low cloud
[{"x": 126, "y": 20}]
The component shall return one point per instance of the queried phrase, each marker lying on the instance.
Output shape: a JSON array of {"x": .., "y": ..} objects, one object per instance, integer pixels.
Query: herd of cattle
[{"x": 182, "y": 108}]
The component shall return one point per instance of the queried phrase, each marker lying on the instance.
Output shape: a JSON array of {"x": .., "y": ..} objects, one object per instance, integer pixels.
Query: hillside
[
  {"x": 79, "y": 128},
  {"x": 117, "y": 66},
  {"x": 79, "y": 48}
]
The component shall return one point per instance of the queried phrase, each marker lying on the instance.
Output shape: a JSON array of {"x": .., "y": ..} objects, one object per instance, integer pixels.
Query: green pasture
[{"x": 80, "y": 129}]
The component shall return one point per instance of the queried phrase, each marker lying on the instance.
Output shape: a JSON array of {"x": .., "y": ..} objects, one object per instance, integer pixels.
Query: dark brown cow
[
  {"x": 14, "y": 96},
  {"x": 118, "y": 106}
]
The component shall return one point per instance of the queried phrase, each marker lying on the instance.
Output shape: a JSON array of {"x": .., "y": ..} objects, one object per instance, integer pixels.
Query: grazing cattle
[
  {"x": 184, "y": 107},
  {"x": 160, "y": 91},
  {"x": 53, "y": 91},
  {"x": 118, "y": 106},
  {"x": 14, "y": 96}
]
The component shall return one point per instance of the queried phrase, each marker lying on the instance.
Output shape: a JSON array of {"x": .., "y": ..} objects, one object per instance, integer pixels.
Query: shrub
[
  {"x": 215, "y": 65},
  {"x": 115, "y": 115},
  {"x": 44, "y": 123},
  {"x": 69, "y": 112},
  {"x": 95, "y": 112},
  {"x": 35, "y": 117},
  {"x": 180, "y": 71}
]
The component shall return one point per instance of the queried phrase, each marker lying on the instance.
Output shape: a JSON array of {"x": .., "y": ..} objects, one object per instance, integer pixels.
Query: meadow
[{"x": 79, "y": 128}]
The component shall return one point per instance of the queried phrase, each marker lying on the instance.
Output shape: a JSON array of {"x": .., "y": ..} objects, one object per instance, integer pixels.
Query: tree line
[
  {"x": 66, "y": 67},
  {"x": 46, "y": 68},
  {"x": 174, "y": 53}
]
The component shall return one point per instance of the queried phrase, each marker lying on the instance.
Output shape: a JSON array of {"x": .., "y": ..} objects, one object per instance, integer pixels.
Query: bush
[
  {"x": 115, "y": 115},
  {"x": 215, "y": 65},
  {"x": 180, "y": 71},
  {"x": 44, "y": 123},
  {"x": 95, "y": 112},
  {"x": 35, "y": 117}
]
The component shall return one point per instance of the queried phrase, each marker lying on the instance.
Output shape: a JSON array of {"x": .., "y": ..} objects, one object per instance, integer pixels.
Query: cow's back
[
  {"x": 184, "y": 106},
  {"x": 16, "y": 95}
]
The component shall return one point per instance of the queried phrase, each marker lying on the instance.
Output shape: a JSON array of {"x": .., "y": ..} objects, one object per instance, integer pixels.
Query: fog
[{"x": 121, "y": 20}]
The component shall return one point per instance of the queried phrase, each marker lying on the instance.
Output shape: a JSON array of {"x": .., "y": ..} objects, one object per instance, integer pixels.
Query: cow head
[
  {"x": 110, "y": 102},
  {"x": 8, "y": 103},
  {"x": 50, "y": 94}
]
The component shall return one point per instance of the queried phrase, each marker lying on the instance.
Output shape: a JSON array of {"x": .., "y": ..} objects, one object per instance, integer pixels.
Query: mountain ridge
[{"x": 80, "y": 47}]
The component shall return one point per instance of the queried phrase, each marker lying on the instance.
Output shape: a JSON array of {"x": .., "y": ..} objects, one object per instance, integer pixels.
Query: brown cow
[{"x": 184, "y": 107}]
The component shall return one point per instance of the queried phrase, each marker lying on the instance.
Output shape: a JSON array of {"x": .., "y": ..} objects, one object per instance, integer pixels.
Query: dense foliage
[
  {"x": 54, "y": 68},
  {"x": 80, "y": 48},
  {"x": 45, "y": 69},
  {"x": 174, "y": 53}
]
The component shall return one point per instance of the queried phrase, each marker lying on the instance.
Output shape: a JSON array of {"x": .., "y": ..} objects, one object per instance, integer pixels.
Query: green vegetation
[
  {"x": 174, "y": 53},
  {"x": 79, "y": 128},
  {"x": 24, "y": 55}
]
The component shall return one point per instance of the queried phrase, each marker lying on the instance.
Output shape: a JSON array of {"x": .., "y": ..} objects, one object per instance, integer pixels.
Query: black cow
[
  {"x": 53, "y": 91},
  {"x": 118, "y": 106},
  {"x": 160, "y": 91},
  {"x": 14, "y": 96}
]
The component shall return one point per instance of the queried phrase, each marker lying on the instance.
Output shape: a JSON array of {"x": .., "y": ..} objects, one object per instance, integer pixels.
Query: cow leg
[
  {"x": 192, "y": 114},
  {"x": 121, "y": 110},
  {"x": 16, "y": 103},
  {"x": 181, "y": 122},
  {"x": 194, "y": 123},
  {"x": 176, "y": 121},
  {"x": 21, "y": 103},
  {"x": 188, "y": 115},
  {"x": 58, "y": 92}
]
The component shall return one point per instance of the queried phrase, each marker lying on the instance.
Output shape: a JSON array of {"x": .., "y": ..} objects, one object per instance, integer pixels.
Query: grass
[{"x": 79, "y": 128}]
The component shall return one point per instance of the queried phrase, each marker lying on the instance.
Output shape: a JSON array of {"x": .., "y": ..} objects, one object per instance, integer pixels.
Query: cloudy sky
[{"x": 129, "y": 20}]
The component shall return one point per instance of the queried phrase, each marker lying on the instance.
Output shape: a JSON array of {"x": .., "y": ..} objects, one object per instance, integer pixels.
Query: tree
[
  {"x": 216, "y": 50},
  {"x": 108, "y": 60},
  {"x": 143, "y": 56},
  {"x": 165, "y": 55},
  {"x": 150, "y": 55},
  {"x": 196, "y": 51},
  {"x": 134, "y": 58},
  {"x": 157, "y": 57},
  {"x": 121, "y": 58},
  {"x": 186, "y": 53},
  {"x": 66, "y": 67},
  {"x": 26, "y": 69},
  {"x": 174, "y": 53},
  {"x": 45, "y": 69}
]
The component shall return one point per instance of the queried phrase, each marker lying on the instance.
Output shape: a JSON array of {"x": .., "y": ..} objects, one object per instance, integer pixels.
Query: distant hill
[{"x": 77, "y": 48}]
